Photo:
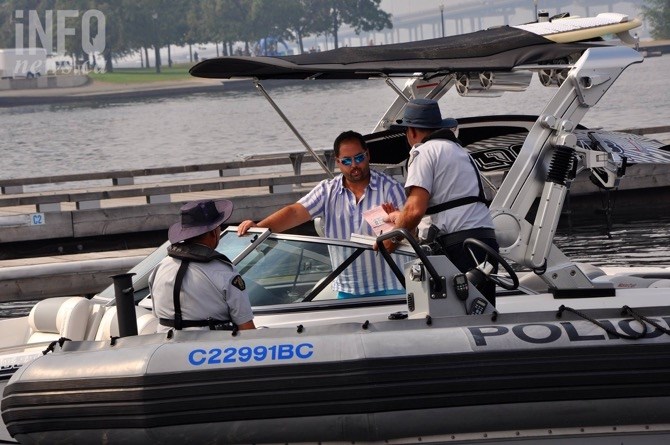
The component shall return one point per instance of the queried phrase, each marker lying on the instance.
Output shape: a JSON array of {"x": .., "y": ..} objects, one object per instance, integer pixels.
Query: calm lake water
[
  {"x": 204, "y": 128},
  {"x": 630, "y": 243}
]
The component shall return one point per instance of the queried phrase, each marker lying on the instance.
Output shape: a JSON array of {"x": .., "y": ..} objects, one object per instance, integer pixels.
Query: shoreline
[{"x": 96, "y": 90}]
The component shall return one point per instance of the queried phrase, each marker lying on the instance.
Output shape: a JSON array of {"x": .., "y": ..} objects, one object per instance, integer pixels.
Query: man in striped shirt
[{"x": 341, "y": 202}]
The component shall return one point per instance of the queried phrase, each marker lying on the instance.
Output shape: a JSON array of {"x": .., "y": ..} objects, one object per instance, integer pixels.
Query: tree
[
  {"x": 115, "y": 32},
  {"x": 223, "y": 20},
  {"x": 273, "y": 20},
  {"x": 362, "y": 15},
  {"x": 658, "y": 14},
  {"x": 8, "y": 21},
  {"x": 14, "y": 17},
  {"x": 196, "y": 16},
  {"x": 314, "y": 18},
  {"x": 132, "y": 25}
]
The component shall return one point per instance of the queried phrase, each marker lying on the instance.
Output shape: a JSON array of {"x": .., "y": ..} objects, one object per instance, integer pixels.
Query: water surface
[{"x": 204, "y": 128}]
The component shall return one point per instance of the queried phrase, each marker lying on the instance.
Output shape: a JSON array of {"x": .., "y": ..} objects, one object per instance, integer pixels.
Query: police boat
[
  {"x": 450, "y": 368},
  {"x": 570, "y": 351}
]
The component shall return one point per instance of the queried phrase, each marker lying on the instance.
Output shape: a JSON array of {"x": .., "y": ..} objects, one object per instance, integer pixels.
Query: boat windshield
[{"x": 281, "y": 270}]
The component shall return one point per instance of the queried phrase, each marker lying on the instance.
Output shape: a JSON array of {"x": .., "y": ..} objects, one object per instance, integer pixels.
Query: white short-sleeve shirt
[
  {"x": 443, "y": 168},
  {"x": 207, "y": 290}
]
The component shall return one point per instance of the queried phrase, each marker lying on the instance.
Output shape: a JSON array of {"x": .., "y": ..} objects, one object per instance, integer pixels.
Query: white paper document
[{"x": 375, "y": 217}]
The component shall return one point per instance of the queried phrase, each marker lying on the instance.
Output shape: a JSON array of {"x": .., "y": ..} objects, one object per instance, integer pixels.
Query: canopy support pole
[
  {"x": 395, "y": 88},
  {"x": 281, "y": 114}
]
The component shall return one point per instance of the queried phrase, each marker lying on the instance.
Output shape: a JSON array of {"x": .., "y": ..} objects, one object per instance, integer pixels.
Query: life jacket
[{"x": 187, "y": 252}]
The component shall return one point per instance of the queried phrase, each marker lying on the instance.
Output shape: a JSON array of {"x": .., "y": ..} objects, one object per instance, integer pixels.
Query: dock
[
  {"x": 79, "y": 274},
  {"x": 56, "y": 228},
  {"x": 123, "y": 203},
  {"x": 142, "y": 200}
]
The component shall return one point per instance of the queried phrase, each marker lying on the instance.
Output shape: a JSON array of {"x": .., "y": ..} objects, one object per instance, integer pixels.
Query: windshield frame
[{"x": 257, "y": 236}]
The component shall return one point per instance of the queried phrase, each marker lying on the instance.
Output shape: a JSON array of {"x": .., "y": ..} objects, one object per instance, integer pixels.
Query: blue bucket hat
[
  {"x": 423, "y": 113},
  {"x": 198, "y": 217}
]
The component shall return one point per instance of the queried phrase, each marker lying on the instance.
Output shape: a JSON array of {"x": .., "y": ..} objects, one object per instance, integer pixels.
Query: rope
[
  {"x": 606, "y": 328},
  {"x": 627, "y": 310},
  {"x": 52, "y": 345}
]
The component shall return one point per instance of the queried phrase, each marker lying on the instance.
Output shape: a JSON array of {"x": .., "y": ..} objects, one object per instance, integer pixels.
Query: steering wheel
[{"x": 497, "y": 279}]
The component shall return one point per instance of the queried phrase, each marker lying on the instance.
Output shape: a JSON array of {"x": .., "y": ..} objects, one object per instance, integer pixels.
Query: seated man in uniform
[{"x": 195, "y": 286}]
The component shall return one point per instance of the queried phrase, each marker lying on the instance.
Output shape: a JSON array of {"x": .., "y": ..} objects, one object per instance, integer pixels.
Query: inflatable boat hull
[{"x": 379, "y": 381}]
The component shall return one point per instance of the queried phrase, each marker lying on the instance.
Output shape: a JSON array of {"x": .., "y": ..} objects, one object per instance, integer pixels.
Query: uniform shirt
[
  {"x": 207, "y": 290},
  {"x": 343, "y": 216},
  {"x": 443, "y": 168}
]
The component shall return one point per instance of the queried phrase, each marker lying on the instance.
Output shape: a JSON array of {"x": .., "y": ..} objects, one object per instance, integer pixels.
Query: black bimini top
[{"x": 498, "y": 49}]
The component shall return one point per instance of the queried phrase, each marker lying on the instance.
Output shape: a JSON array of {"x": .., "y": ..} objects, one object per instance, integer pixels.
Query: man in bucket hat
[
  {"x": 196, "y": 287},
  {"x": 444, "y": 183}
]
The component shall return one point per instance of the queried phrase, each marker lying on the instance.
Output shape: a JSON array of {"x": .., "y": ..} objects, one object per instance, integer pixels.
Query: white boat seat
[
  {"x": 664, "y": 283},
  {"x": 58, "y": 317},
  {"x": 109, "y": 325},
  {"x": 97, "y": 312}
]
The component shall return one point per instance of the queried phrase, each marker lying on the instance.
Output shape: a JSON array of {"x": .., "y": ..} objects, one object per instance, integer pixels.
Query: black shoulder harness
[
  {"x": 449, "y": 135},
  {"x": 187, "y": 253}
]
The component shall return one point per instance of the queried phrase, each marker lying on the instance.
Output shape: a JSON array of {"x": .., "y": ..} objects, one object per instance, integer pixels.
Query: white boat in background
[{"x": 571, "y": 352}]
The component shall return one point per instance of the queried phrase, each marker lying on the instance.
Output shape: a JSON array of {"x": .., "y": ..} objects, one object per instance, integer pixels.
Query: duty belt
[
  {"x": 451, "y": 239},
  {"x": 214, "y": 325}
]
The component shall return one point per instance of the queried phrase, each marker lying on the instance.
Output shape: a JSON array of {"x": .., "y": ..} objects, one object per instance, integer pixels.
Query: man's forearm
[
  {"x": 286, "y": 218},
  {"x": 414, "y": 209}
]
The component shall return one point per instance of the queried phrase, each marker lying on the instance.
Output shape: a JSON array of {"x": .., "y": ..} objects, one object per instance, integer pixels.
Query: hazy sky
[
  {"x": 407, "y": 6},
  {"x": 396, "y": 7},
  {"x": 630, "y": 7}
]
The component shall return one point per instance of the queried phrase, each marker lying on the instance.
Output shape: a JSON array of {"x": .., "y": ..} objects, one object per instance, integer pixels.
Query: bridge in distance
[{"x": 473, "y": 15}]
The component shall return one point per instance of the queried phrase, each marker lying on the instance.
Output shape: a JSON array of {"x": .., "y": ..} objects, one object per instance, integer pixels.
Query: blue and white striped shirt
[{"x": 343, "y": 216}]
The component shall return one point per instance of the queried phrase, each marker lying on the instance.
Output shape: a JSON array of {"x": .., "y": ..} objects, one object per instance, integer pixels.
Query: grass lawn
[{"x": 144, "y": 75}]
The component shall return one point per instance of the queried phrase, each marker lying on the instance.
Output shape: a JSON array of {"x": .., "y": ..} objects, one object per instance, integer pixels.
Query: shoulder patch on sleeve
[
  {"x": 413, "y": 154},
  {"x": 238, "y": 282}
]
